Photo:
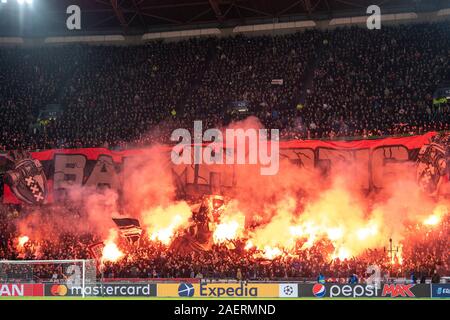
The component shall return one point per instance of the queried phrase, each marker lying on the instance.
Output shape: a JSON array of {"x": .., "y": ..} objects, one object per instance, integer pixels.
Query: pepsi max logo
[
  {"x": 186, "y": 290},
  {"x": 319, "y": 290}
]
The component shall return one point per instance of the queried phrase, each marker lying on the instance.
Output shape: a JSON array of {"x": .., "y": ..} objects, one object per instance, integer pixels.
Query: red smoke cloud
[{"x": 298, "y": 203}]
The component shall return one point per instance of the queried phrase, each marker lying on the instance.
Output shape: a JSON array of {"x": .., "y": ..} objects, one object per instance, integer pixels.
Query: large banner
[{"x": 43, "y": 177}]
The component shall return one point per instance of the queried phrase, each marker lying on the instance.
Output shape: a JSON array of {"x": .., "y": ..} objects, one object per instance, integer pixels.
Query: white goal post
[{"x": 73, "y": 273}]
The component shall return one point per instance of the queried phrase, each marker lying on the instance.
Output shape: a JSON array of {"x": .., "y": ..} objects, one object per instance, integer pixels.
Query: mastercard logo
[{"x": 58, "y": 290}]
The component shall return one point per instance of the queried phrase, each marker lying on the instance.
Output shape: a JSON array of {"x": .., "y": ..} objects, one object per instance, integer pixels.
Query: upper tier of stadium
[{"x": 336, "y": 83}]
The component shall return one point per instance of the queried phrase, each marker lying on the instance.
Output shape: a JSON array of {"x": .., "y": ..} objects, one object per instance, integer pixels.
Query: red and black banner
[{"x": 43, "y": 176}]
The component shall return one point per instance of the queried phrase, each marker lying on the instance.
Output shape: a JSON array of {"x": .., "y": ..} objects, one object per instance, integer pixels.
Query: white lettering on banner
[
  {"x": 103, "y": 174},
  {"x": 11, "y": 290},
  {"x": 69, "y": 165},
  {"x": 353, "y": 291},
  {"x": 69, "y": 172}
]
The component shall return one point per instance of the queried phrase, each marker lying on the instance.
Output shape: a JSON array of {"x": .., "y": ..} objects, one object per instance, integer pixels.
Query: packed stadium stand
[
  {"x": 153, "y": 260},
  {"x": 339, "y": 83},
  {"x": 342, "y": 82}
]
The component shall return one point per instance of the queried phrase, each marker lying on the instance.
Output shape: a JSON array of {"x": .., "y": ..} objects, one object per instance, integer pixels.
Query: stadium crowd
[
  {"x": 311, "y": 84},
  {"x": 346, "y": 82},
  {"x": 380, "y": 84},
  {"x": 424, "y": 250}
]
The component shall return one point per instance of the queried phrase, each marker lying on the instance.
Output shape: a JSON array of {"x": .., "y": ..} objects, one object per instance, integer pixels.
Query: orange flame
[
  {"x": 271, "y": 252},
  {"x": 436, "y": 217},
  {"x": 432, "y": 220},
  {"x": 400, "y": 255},
  {"x": 335, "y": 216},
  {"x": 231, "y": 227},
  {"x": 111, "y": 251},
  {"x": 341, "y": 254},
  {"x": 226, "y": 231},
  {"x": 163, "y": 222},
  {"x": 249, "y": 245},
  {"x": 22, "y": 240}
]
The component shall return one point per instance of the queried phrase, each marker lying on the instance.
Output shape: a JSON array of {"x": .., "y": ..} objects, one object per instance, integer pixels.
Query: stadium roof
[{"x": 48, "y": 17}]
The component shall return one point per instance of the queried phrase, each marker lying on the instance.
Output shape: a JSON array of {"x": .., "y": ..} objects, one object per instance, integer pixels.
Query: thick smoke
[{"x": 297, "y": 203}]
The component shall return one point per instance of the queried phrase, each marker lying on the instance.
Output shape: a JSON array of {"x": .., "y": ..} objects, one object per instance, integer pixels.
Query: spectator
[{"x": 436, "y": 278}]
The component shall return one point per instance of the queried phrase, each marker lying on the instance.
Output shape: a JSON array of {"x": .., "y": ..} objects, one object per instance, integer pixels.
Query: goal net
[{"x": 72, "y": 273}]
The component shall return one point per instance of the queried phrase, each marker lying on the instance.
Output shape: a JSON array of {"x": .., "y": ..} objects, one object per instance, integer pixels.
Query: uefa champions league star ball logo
[
  {"x": 319, "y": 290},
  {"x": 288, "y": 290},
  {"x": 186, "y": 290}
]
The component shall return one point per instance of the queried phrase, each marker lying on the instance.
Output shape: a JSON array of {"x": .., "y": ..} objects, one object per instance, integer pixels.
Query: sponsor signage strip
[
  {"x": 219, "y": 290},
  {"x": 440, "y": 290},
  {"x": 103, "y": 290},
  {"x": 329, "y": 290},
  {"x": 22, "y": 290},
  {"x": 230, "y": 290}
]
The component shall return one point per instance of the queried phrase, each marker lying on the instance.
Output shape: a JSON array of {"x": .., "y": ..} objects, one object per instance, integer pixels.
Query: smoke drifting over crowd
[{"x": 277, "y": 215}]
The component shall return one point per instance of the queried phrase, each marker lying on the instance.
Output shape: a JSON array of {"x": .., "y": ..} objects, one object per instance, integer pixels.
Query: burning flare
[
  {"x": 111, "y": 251},
  {"x": 231, "y": 227},
  {"x": 165, "y": 234},
  {"x": 163, "y": 222},
  {"x": 335, "y": 216},
  {"x": 271, "y": 253},
  {"x": 436, "y": 217},
  {"x": 341, "y": 254},
  {"x": 226, "y": 231},
  {"x": 432, "y": 220},
  {"x": 22, "y": 240}
]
